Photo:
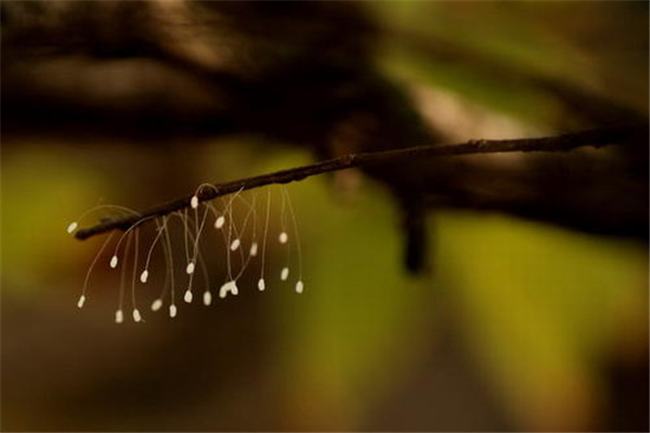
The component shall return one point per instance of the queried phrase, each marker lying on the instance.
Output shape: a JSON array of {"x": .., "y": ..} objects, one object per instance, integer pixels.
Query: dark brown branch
[{"x": 595, "y": 138}]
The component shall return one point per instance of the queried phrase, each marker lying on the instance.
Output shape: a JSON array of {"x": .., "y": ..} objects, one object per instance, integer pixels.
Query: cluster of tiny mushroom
[{"x": 228, "y": 287}]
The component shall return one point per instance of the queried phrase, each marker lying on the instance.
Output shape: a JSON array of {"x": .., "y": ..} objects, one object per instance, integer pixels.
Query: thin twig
[{"x": 595, "y": 138}]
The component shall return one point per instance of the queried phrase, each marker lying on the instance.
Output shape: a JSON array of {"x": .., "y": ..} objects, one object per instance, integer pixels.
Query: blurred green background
[{"x": 519, "y": 325}]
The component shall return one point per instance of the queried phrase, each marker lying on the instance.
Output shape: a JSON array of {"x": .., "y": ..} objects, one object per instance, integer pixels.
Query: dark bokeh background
[{"x": 536, "y": 323}]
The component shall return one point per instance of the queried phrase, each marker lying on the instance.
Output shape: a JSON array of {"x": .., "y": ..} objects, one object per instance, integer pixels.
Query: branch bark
[{"x": 565, "y": 142}]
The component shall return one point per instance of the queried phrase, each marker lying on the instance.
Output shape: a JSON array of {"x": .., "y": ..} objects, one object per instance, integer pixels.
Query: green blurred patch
[
  {"x": 43, "y": 190},
  {"x": 531, "y": 39},
  {"x": 356, "y": 308},
  {"x": 544, "y": 306}
]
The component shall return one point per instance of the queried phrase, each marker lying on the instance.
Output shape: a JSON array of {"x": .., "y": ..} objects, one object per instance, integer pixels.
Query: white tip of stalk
[
  {"x": 228, "y": 287},
  {"x": 261, "y": 285},
  {"x": 72, "y": 227},
  {"x": 194, "y": 202},
  {"x": 299, "y": 287},
  {"x": 190, "y": 268},
  {"x": 283, "y": 238},
  {"x": 235, "y": 244},
  {"x": 144, "y": 276},
  {"x": 136, "y": 315},
  {"x": 172, "y": 311},
  {"x": 113, "y": 262},
  {"x": 188, "y": 296},
  {"x": 220, "y": 221},
  {"x": 81, "y": 301},
  {"x": 156, "y": 305},
  {"x": 284, "y": 274},
  {"x": 119, "y": 316},
  {"x": 207, "y": 298},
  {"x": 253, "y": 250}
]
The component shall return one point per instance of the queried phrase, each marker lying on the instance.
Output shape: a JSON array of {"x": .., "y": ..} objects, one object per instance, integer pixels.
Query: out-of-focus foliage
[{"x": 598, "y": 47}]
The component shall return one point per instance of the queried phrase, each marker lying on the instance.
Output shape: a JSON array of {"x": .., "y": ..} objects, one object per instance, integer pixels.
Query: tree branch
[{"x": 595, "y": 138}]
